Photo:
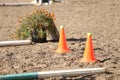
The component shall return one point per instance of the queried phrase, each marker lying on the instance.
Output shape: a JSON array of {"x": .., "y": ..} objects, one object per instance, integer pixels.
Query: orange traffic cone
[
  {"x": 89, "y": 52},
  {"x": 62, "y": 46}
]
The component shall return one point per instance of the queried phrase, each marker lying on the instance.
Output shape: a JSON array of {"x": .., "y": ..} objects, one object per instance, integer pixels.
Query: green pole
[
  {"x": 23, "y": 76},
  {"x": 47, "y": 74}
]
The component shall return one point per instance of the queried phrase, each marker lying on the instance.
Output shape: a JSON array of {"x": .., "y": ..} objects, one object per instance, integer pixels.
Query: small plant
[{"x": 35, "y": 25}]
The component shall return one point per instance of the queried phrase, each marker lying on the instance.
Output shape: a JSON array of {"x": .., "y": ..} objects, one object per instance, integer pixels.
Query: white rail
[{"x": 15, "y": 43}]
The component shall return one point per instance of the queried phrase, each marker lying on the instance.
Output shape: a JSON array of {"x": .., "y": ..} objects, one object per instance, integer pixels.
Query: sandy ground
[{"x": 100, "y": 17}]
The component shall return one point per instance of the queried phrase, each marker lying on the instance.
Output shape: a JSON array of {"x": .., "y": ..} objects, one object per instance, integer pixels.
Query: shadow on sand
[
  {"x": 89, "y": 77},
  {"x": 74, "y": 39}
]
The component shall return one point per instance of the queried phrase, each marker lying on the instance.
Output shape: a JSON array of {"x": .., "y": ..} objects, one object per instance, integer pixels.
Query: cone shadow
[
  {"x": 75, "y": 39},
  {"x": 98, "y": 49},
  {"x": 102, "y": 61}
]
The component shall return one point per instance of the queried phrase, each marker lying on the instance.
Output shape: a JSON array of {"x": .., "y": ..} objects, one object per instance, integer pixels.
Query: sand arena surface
[{"x": 100, "y": 17}]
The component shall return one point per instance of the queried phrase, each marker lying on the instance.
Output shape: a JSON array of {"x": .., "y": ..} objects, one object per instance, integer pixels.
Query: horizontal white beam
[
  {"x": 15, "y": 4},
  {"x": 75, "y": 72},
  {"x": 47, "y": 74},
  {"x": 15, "y": 43}
]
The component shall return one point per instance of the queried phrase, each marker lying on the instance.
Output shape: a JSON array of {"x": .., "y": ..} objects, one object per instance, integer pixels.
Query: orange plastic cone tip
[
  {"x": 62, "y": 46},
  {"x": 89, "y": 52}
]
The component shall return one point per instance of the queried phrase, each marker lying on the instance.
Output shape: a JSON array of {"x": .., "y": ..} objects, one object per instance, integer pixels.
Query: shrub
[{"x": 35, "y": 25}]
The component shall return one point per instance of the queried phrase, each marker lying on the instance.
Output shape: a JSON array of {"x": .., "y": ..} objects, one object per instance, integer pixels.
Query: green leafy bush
[{"x": 35, "y": 25}]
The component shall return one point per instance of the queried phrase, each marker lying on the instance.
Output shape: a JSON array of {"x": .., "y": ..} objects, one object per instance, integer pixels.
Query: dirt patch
[{"x": 100, "y": 17}]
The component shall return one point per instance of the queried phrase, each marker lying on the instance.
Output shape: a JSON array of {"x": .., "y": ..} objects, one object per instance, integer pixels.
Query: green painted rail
[{"x": 47, "y": 74}]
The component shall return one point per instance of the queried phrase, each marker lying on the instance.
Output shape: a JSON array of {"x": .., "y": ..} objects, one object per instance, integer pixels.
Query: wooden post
[
  {"x": 40, "y": 2},
  {"x": 52, "y": 34},
  {"x": 50, "y": 2}
]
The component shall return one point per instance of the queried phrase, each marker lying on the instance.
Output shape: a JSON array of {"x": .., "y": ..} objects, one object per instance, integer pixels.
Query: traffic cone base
[
  {"x": 88, "y": 60},
  {"x": 59, "y": 51}
]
